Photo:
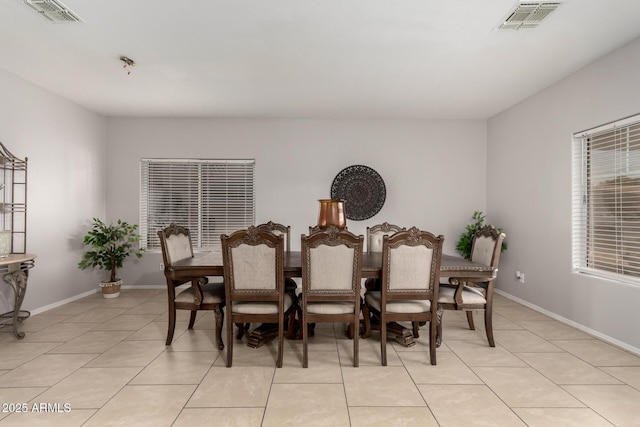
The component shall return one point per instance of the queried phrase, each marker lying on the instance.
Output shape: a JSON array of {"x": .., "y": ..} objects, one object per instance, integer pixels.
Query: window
[
  {"x": 209, "y": 197},
  {"x": 606, "y": 200}
]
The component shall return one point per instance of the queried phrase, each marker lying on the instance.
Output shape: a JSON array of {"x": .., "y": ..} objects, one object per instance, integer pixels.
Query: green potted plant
[
  {"x": 466, "y": 239},
  {"x": 109, "y": 246}
]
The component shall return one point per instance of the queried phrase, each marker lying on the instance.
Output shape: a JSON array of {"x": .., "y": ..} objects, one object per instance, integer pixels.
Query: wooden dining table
[{"x": 458, "y": 269}]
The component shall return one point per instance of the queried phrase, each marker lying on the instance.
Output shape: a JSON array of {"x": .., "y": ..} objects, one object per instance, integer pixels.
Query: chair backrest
[
  {"x": 175, "y": 242},
  {"x": 315, "y": 229},
  {"x": 376, "y": 233},
  {"x": 411, "y": 264},
  {"x": 331, "y": 263},
  {"x": 253, "y": 262},
  {"x": 278, "y": 229},
  {"x": 487, "y": 246}
]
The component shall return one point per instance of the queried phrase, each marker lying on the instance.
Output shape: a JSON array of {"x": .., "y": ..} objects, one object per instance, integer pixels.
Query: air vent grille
[
  {"x": 527, "y": 15},
  {"x": 53, "y": 10}
]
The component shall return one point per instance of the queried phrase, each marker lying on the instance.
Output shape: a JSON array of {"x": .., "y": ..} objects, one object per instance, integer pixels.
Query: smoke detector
[
  {"x": 53, "y": 10},
  {"x": 527, "y": 14}
]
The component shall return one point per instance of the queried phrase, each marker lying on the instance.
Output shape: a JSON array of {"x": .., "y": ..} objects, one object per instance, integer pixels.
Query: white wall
[
  {"x": 529, "y": 193},
  {"x": 434, "y": 171},
  {"x": 65, "y": 146}
]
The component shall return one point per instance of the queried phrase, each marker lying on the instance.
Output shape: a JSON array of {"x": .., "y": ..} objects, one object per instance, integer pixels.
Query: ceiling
[{"x": 389, "y": 59}]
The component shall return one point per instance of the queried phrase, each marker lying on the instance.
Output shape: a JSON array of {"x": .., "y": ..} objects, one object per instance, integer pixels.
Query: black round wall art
[{"x": 362, "y": 188}]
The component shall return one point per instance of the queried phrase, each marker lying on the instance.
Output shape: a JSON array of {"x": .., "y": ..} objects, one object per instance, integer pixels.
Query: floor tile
[
  {"x": 114, "y": 368},
  {"x": 517, "y": 341},
  {"x": 628, "y": 375},
  {"x": 92, "y": 342},
  {"x": 75, "y": 417},
  {"x": 619, "y": 404},
  {"x": 89, "y": 387},
  {"x": 525, "y": 387},
  {"x": 598, "y": 353},
  {"x": 245, "y": 386},
  {"x": 13, "y": 355},
  {"x": 449, "y": 370},
  {"x": 282, "y": 409},
  {"x": 391, "y": 417},
  {"x": 157, "y": 405},
  {"x": 177, "y": 367},
  {"x": 17, "y": 397},
  {"x": 128, "y": 353},
  {"x": 220, "y": 417},
  {"x": 565, "y": 417},
  {"x": 380, "y": 386},
  {"x": 468, "y": 405},
  {"x": 45, "y": 370},
  {"x": 565, "y": 368},
  {"x": 480, "y": 354}
]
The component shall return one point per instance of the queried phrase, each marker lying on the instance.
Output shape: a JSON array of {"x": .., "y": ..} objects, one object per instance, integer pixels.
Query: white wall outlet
[
  {"x": 162, "y": 266},
  {"x": 521, "y": 278}
]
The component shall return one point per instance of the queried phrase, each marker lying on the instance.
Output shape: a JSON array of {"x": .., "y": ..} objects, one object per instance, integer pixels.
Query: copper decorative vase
[{"x": 332, "y": 214}]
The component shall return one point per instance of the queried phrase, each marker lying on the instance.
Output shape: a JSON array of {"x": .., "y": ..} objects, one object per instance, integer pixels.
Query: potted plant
[
  {"x": 110, "y": 246},
  {"x": 466, "y": 239}
]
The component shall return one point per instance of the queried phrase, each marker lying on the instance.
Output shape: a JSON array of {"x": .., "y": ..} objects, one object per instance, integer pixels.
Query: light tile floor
[{"x": 99, "y": 362}]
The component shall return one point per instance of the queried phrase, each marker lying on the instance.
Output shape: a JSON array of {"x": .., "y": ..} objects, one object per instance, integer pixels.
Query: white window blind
[
  {"x": 606, "y": 200},
  {"x": 209, "y": 197}
]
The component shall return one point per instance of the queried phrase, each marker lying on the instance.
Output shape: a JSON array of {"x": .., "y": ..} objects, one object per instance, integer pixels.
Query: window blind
[
  {"x": 209, "y": 197},
  {"x": 606, "y": 200}
]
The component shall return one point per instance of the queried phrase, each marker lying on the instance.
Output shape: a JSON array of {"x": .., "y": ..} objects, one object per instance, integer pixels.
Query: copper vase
[{"x": 332, "y": 214}]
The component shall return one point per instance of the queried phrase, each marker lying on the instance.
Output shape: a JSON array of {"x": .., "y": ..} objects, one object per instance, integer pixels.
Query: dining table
[{"x": 458, "y": 269}]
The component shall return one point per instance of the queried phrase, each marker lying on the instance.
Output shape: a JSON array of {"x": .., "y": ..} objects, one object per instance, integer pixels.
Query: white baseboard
[
  {"x": 571, "y": 323},
  {"x": 86, "y": 294}
]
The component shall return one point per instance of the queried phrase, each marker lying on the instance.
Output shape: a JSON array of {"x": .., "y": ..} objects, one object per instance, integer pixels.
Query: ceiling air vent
[
  {"x": 527, "y": 15},
  {"x": 53, "y": 10}
]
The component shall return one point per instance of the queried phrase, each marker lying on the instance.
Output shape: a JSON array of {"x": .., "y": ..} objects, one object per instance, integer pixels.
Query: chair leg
[
  {"x": 219, "y": 316},
  {"x": 416, "y": 328},
  {"x": 305, "y": 337},
  {"x": 470, "y": 320},
  {"x": 172, "y": 325},
  {"x": 488, "y": 325},
  {"x": 192, "y": 318},
  {"x": 280, "y": 341},
  {"x": 383, "y": 341},
  {"x": 229, "y": 340},
  {"x": 433, "y": 332}
]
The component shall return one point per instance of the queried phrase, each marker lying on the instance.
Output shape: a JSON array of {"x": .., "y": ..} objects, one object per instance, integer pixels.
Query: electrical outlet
[
  {"x": 520, "y": 276},
  {"x": 162, "y": 266}
]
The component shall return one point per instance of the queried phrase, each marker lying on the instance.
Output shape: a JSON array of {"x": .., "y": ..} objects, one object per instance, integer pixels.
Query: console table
[{"x": 14, "y": 270}]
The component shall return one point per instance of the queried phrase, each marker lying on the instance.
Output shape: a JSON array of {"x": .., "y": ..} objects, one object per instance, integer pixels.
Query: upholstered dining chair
[
  {"x": 175, "y": 242},
  {"x": 410, "y": 281},
  {"x": 331, "y": 273},
  {"x": 374, "y": 236},
  {"x": 253, "y": 261},
  {"x": 474, "y": 294},
  {"x": 290, "y": 285},
  {"x": 376, "y": 233}
]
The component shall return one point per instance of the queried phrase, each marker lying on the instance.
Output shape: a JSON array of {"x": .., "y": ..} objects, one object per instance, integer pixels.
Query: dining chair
[
  {"x": 331, "y": 273},
  {"x": 409, "y": 288},
  {"x": 253, "y": 261},
  {"x": 374, "y": 236},
  {"x": 475, "y": 294},
  {"x": 290, "y": 285},
  {"x": 175, "y": 242}
]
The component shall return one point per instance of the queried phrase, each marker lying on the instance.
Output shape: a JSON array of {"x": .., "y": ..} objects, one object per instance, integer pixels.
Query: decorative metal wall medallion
[{"x": 363, "y": 190}]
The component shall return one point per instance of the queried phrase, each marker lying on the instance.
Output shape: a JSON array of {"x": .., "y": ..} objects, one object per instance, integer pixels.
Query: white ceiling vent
[
  {"x": 527, "y": 14},
  {"x": 53, "y": 10}
]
